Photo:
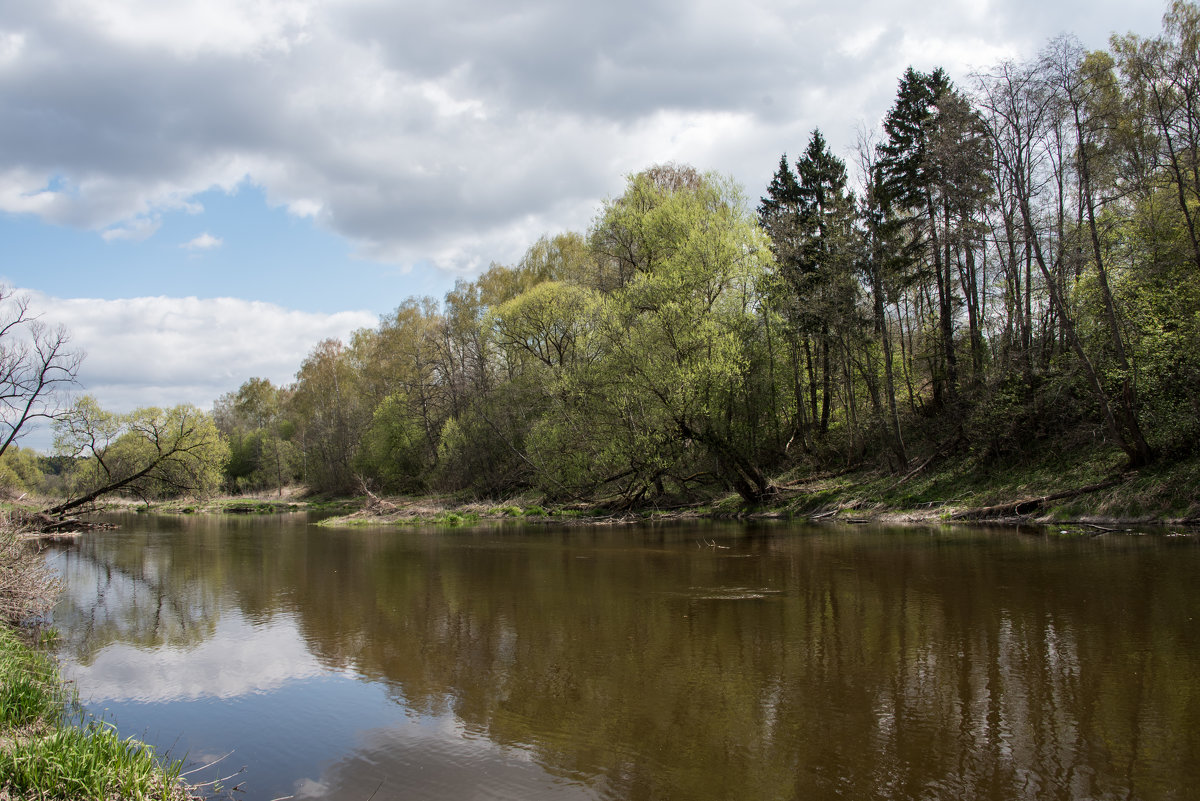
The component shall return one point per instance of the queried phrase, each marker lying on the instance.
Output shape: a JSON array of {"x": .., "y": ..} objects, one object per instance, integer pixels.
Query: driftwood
[
  {"x": 1030, "y": 505},
  {"x": 375, "y": 504},
  {"x": 51, "y": 527}
]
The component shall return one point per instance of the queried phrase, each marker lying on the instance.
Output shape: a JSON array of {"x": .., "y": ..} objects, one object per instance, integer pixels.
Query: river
[{"x": 698, "y": 661}]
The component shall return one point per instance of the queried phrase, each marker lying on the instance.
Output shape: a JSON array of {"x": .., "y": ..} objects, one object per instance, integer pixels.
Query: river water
[{"x": 701, "y": 661}]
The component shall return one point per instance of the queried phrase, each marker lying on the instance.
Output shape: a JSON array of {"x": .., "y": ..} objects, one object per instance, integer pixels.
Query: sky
[{"x": 202, "y": 190}]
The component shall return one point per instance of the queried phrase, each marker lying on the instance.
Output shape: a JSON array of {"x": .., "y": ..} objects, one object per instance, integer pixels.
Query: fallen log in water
[{"x": 51, "y": 526}]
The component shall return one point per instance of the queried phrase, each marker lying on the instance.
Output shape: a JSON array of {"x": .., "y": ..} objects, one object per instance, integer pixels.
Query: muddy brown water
[{"x": 698, "y": 661}]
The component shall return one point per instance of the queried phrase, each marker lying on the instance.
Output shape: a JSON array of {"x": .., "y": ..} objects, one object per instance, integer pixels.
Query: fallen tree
[
  {"x": 148, "y": 453},
  {"x": 1028, "y": 506}
]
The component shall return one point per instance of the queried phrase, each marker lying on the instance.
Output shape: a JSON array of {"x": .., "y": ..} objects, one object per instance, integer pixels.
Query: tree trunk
[
  {"x": 1133, "y": 429},
  {"x": 881, "y": 330}
]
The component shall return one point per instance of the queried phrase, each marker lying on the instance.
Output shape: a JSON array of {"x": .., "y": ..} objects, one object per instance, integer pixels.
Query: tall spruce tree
[
  {"x": 809, "y": 216},
  {"x": 934, "y": 174}
]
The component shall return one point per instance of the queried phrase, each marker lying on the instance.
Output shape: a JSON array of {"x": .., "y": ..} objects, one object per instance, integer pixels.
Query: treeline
[
  {"x": 1009, "y": 265},
  {"x": 24, "y": 471}
]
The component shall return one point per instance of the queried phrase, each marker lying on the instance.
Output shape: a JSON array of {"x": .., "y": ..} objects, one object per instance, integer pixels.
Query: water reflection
[
  {"x": 237, "y": 659},
  {"x": 443, "y": 761},
  {"x": 649, "y": 664}
]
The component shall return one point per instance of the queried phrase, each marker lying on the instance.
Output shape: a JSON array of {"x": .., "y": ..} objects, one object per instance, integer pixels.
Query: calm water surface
[{"x": 682, "y": 662}]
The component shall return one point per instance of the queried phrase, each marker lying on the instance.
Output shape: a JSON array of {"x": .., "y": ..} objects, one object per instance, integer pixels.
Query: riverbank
[
  {"x": 48, "y": 747},
  {"x": 44, "y": 756},
  {"x": 1091, "y": 492}
]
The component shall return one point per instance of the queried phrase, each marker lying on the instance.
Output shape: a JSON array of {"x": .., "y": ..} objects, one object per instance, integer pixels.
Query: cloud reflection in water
[{"x": 239, "y": 659}]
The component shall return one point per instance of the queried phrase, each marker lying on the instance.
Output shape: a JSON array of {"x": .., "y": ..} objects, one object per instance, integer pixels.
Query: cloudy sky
[{"x": 203, "y": 189}]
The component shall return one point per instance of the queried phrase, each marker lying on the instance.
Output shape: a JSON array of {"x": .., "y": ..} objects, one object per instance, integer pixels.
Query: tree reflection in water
[{"x": 633, "y": 664}]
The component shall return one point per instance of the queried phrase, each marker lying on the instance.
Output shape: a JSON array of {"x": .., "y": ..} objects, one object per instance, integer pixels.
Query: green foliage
[
  {"x": 29, "y": 688},
  {"x": 1019, "y": 267},
  {"x": 547, "y": 323},
  {"x": 20, "y": 471},
  {"x": 476, "y": 453},
  {"x": 393, "y": 446},
  {"x": 331, "y": 411},
  {"x": 89, "y": 762},
  {"x": 149, "y": 452},
  {"x": 675, "y": 334},
  {"x": 263, "y": 451}
]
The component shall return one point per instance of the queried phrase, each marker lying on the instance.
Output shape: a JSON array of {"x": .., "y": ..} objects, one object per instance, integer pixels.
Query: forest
[{"x": 1009, "y": 266}]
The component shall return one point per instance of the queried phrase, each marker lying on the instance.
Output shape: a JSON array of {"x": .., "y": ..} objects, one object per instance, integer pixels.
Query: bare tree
[
  {"x": 1019, "y": 104},
  {"x": 36, "y": 366}
]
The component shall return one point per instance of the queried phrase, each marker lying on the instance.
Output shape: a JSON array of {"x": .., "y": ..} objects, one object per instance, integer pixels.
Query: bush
[{"x": 27, "y": 586}]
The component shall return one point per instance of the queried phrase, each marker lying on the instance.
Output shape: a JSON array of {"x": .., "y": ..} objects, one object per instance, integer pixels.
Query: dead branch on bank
[
  {"x": 28, "y": 586},
  {"x": 1028, "y": 506}
]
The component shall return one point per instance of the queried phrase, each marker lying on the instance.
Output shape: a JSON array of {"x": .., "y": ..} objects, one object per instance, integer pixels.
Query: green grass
[
  {"x": 89, "y": 761},
  {"x": 567, "y": 513},
  {"x": 446, "y": 518},
  {"x": 507, "y": 511},
  {"x": 29, "y": 686},
  {"x": 48, "y": 749}
]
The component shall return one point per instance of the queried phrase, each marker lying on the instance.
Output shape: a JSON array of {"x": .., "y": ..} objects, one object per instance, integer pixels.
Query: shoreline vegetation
[
  {"x": 46, "y": 754},
  {"x": 1095, "y": 492},
  {"x": 50, "y": 748},
  {"x": 1088, "y": 497}
]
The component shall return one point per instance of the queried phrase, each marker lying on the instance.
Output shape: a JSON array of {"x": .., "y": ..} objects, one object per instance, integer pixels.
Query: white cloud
[
  {"x": 164, "y": 351},
  {"x": 441, "y": 756},
  {"x": 456, "y": 133},
  {"x": 205, "y": 241},
  {"x": 188, "y": 28},
  {"x": 135, "y": 230}
]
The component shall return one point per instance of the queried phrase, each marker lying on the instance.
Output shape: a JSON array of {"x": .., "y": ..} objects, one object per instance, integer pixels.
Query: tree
[
  {"x": 149, "y": 452},
  {"x": 393, "y": 446},
  {"x": 881, "y": 253},
  {"x": 1087, "y": 87},
  {"x": 809, "y": 216},
  {"x": 822, "y": 275},
  {"x": 1163, "y": 79},
  {"x": 676, "y": 334},
  {"x": 330, "y": 415},
  {"x": 1022, "y": 104},
  {"x": 542, "y": 323},
  {"x": 36, "y": 364},
  {"x": 933, "y": 172},
  {"x": 262, "y": 453},
  {"x": 20, "y": 470}
]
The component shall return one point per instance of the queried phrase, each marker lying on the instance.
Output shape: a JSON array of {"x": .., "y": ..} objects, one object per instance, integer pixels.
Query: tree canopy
[
  {"x": 148, "y": 453},
  {"x": 1010, "y": 262}
]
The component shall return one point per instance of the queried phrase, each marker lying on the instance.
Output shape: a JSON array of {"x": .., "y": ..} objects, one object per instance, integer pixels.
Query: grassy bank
[
  {"x": 1092, "y": 486},
  {"x": 1087, "y": 487},
  {"x": 49, "y": 748}
]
